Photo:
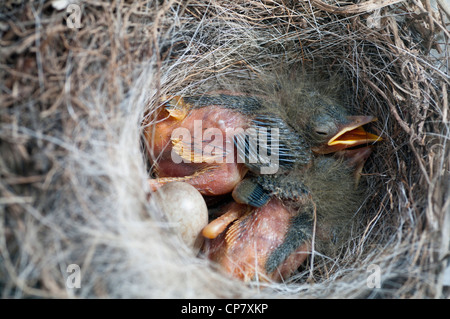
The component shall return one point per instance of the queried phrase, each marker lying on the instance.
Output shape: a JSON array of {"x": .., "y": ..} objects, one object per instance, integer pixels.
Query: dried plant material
[
  {"x": 78, "y": 87},
  {"x": 363, "y": 7}
]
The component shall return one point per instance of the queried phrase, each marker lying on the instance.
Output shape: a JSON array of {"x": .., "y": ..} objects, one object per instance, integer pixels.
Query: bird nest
[{"x": 79, "y": 78}]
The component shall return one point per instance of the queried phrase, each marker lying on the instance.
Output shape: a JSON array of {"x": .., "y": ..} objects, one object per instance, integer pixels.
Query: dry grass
[{"x": 73, "y": 174}]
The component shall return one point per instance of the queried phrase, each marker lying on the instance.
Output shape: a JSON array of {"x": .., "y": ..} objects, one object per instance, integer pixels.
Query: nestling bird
[
  {"x": 272, "y": 241},
  {"x": 221, "y": 142},
  {"x": 294, "y": 122},
  {"x": 186, "y": 159}
]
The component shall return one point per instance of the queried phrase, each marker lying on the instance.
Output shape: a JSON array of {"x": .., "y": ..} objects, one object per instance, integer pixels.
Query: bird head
[
  {"x": 326, "y": 123},
  {"x": 330, "y": 133},
  {"x": 313, "y": 105}
]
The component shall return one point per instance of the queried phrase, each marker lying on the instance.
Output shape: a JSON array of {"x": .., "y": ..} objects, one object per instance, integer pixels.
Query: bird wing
[{"x": 269, "y": 140}]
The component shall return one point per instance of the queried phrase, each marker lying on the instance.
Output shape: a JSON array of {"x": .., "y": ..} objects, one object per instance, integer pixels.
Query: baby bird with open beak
[
  {"x": 226, "y": 131},
  {"x": 269, "y": 243},
  {"x": 268, "y": 150}
]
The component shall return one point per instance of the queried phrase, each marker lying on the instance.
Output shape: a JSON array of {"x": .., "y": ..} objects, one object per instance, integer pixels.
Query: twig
[
  {"x": 367, "y": 6},
  {"x": 420, "y": 6},
  {"x": 445, "y": 6},
  {"x": 402, "y": 123}
]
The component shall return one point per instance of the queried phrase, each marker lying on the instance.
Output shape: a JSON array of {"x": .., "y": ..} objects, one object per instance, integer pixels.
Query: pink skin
[
  {"x": 208, "y": 178},
  {"x": 242, "y": 250},
  {"x": 242, "y": 239},
  {"x": 212, "y": 178}
]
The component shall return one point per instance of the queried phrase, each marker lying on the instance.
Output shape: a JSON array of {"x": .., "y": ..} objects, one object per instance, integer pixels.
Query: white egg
[{"x": 185, "y": 210}]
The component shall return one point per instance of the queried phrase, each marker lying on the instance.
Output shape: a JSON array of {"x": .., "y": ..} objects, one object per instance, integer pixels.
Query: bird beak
[
  {"x": 356, "y": 158},
  {"x": 350, "y": 134},
  {"x": 176, "y": 107}
]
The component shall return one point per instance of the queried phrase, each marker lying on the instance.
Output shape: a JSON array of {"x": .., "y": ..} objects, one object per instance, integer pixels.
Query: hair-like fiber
[{"x": 73, "y": 166}]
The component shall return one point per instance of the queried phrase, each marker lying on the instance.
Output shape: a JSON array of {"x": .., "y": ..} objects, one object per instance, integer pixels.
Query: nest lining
[{"x": 73, "y": 172}]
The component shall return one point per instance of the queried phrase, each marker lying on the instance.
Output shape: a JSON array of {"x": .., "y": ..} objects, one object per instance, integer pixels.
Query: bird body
[
  {"x": 272, "y": 241},
  {"x": 267, "y": 230},
  {"x": 213, "y": 173},
  {"x": 291, "y": 132},
  {"x": 230, "y": 116},
  {"x": 245, "y": 247}
]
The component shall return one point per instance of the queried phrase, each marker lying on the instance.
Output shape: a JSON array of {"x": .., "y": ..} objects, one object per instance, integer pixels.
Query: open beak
[{"x": 349, "y": 135}]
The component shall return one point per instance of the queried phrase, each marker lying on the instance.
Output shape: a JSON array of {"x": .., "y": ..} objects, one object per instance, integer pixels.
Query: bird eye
[
  {"x": 321, "y": 132},
  {"x": 324, "y": 129},
  {"x": 324, "y": 125}
]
